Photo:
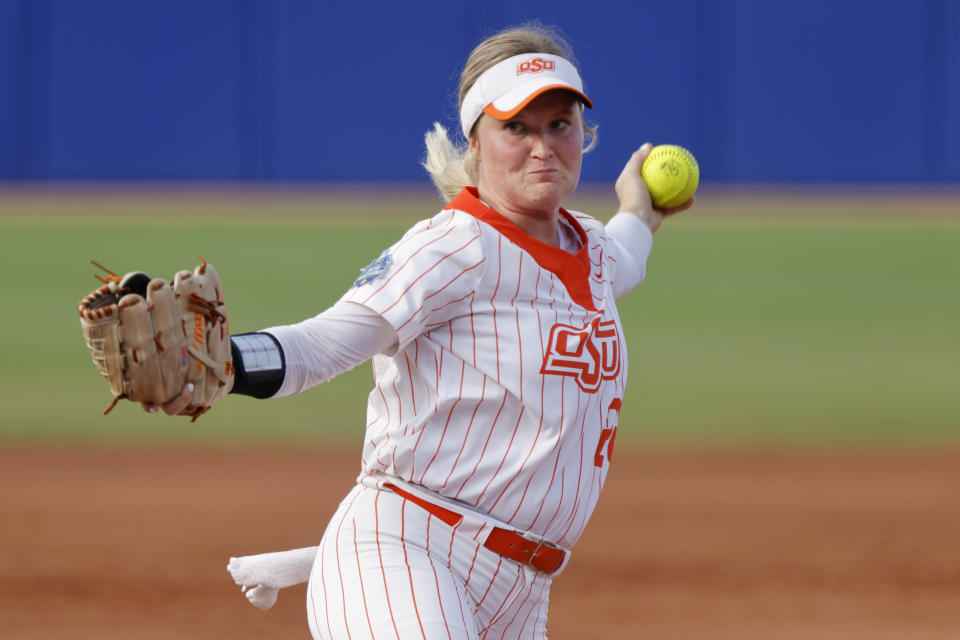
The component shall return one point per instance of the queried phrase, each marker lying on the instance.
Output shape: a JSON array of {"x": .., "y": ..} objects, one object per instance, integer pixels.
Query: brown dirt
[
  {"x": 133, "y": 544},
  {"x": 401, "y": 204}
]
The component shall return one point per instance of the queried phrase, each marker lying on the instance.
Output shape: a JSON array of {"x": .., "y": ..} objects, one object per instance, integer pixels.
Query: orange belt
[{"x": 538, "y": 554}]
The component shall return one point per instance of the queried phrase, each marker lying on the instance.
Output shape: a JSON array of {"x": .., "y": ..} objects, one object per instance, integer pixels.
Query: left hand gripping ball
[{"x": 671, "y": 175}]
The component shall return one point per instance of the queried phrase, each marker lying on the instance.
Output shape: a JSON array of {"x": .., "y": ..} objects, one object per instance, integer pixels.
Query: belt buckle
[
  {"x": 541, "y": 543},
  {"x": 536, "y": 550}
]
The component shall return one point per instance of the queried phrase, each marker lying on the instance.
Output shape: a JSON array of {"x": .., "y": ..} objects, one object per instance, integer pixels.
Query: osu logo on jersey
[
  {"x": 535, "y": 65},
  {"x": 590, "y": 354}
]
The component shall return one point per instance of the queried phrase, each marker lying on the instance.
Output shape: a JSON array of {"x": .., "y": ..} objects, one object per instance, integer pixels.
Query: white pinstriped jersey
[{"x": 510, "y": 370}]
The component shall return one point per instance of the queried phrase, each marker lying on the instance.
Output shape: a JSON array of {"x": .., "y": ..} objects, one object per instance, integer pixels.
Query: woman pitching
[{"x": 499, "y": 364}]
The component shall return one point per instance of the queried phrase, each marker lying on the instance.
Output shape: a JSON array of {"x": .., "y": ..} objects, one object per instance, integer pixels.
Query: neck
[{"x": 542, "y": 225}]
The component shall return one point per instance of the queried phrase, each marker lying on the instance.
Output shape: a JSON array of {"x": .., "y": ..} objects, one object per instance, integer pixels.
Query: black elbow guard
[{"x": 259, "y": 364}]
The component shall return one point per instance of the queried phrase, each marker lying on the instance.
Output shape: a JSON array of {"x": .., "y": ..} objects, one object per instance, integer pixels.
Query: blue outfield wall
[{"x": 760, "y": 90}]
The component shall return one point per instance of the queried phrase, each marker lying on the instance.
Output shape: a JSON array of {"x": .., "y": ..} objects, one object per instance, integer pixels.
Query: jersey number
[{"x": 608, "y": 435}]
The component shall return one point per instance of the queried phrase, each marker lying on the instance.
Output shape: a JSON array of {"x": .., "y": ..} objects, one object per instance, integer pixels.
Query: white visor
[{"x": 503, "y": 90}]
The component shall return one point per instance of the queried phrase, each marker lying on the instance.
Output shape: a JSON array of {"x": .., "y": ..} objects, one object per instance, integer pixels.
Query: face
[{"x": 530, "y": 163}]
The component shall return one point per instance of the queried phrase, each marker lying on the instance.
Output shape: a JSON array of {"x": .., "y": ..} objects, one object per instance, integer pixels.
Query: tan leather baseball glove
[{"x": 149, "y": 337}]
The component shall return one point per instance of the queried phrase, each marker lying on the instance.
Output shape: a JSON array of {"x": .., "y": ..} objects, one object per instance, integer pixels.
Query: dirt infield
[
  {"x": 401, "y": 204},
  {"x": 133, "y": 544}
]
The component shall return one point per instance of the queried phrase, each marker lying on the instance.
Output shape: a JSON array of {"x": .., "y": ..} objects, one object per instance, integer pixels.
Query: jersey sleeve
[
  {"x": 333, "y": 342},
  {"x": 427, "y": 278},
  {"x": 629, "y": 244}
]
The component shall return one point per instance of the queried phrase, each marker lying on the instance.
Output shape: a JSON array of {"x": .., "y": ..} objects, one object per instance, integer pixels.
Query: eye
[
  {"x": 560, "y": 124},
  {"x": 513, "y": 126}
]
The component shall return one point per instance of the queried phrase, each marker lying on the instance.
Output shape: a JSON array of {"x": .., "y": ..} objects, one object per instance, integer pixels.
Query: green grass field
[{"x": 745, "y": 332}]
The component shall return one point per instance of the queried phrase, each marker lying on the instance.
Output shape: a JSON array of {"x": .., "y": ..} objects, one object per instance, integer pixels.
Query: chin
[{"x": 547, "y": 195}]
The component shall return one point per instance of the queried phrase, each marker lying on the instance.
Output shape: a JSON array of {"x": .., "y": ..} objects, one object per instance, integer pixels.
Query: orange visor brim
[{"x": 493, "y": 112}]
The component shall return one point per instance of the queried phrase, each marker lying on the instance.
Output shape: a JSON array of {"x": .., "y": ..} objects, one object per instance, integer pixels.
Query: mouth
[{"x": 543, "y": 172}]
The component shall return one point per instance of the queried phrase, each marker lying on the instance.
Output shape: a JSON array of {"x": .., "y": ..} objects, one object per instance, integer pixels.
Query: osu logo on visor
[
  {"x": 589, "y": 354},
  {"x": 535, "y": 65}
]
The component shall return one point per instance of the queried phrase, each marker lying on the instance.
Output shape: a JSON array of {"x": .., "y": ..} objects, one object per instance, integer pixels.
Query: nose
[{"x": 540, "y": 145}]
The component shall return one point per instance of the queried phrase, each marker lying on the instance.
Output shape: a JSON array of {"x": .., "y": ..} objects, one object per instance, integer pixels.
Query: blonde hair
[{"x": 453, "y": 167}]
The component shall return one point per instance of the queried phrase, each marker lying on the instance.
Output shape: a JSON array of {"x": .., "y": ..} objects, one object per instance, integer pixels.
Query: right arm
[
  {"x": 435, "y": 265},
  {"x": 333, "y": 342},
  {"x": 285, "y": 360}
]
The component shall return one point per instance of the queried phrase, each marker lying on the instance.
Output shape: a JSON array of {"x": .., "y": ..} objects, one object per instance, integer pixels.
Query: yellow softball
[{"x": 671, "y": 175}]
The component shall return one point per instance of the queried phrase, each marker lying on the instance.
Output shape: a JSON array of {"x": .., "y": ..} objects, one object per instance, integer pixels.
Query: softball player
[{"x": 499, "y": 367}]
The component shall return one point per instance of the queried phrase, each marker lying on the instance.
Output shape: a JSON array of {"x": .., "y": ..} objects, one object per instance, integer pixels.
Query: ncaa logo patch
[{"x": 373, "y": 270}]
